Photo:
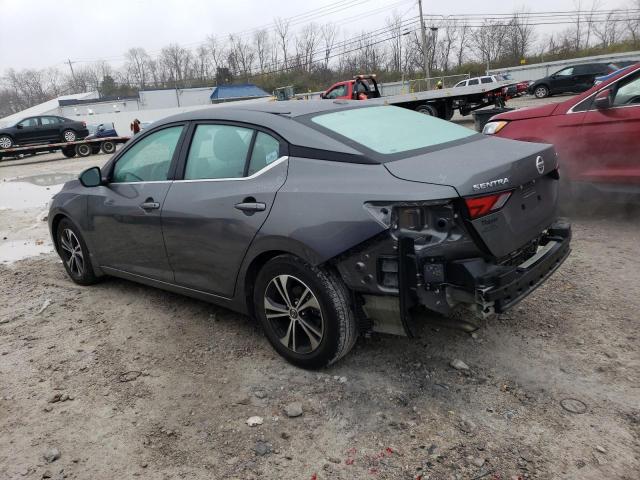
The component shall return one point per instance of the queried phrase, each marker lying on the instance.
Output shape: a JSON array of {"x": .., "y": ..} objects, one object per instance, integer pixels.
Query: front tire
[
  {"x": 305, "y": 312},
  {"x": 74, "y": 254},
  {"x": 6, "y": 141},
  {"x": 541, "y": 91}
]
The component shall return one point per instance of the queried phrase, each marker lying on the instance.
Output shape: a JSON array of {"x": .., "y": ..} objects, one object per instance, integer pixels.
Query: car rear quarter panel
[{"x": 319, "y": 212}]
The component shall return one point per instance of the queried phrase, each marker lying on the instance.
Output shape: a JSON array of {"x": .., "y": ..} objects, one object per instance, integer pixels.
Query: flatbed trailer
[
  {"x": 440, "y": 103},
  {"x": 81, "y": 148}
]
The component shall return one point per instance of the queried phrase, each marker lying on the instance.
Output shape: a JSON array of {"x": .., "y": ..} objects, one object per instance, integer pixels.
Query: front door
[
  {"x": 211, "y": 216},
  {"x": 28, "y": 131},
  {"x": 563, "y": 81},
  {"x": 124, "y": 215},
  {"x": 609, "y": 137}
]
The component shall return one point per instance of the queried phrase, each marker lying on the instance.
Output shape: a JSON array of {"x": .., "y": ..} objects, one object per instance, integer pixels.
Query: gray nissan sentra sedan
[{"x": 322, "y": 219}]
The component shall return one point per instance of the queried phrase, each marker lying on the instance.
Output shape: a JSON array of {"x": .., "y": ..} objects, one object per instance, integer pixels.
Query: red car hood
[{"x": 528, "y": 112}]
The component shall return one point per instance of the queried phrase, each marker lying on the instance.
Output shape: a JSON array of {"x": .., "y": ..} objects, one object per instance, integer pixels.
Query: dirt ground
[{"x": 124, "y": 381}]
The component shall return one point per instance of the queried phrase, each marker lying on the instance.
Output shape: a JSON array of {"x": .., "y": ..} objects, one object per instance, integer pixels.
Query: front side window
[
  {"x": 339, "y": 91},
  {"x": 628, "y": 92},
  {"x": 149, "y": 159},
  {"x": 389, "y": 130},
  {"x": 460, "y": 84},
  {"x": 565, "y": 73},
  {"x": 29, "y": 122},
  {"x": 218, "y": 151},
  {"x": 266, "y": 150}
]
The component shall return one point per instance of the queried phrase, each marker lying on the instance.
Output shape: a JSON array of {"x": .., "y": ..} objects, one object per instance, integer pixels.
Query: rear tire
[
  {"x": 108, "y": 147},
  {"x": 69, "y": 152},
  {"x": 313, "y": 325},
  {"x": 83, "y": 150},
  {"x": 427, "y": 110},
  {"x": 74, "y": 253},
  {"x": 541, "y": 91},
  {"x": 6, "y": 141},
  {"x": 69, "y": 136}
]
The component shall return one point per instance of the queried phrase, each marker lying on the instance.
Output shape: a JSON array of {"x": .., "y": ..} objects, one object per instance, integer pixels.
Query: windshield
[{"x": 388, "y": 130}]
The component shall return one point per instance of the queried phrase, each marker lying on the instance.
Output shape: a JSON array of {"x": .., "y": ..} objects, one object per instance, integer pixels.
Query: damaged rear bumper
[{"x": 434, "y": 286}]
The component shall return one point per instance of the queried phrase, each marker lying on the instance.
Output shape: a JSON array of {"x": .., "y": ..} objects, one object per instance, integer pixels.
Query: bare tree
[
  {"x": 282, "y": 31},
  {"x": 307, "y": 41},
  {"x": 487, "y": 41},
  {"x": 632, "y": 23},
  {"x": 464, "y": 36},
  {"x": 261, "y": 46},
  {"x": 203, "y": 65},
  {"x": 519, "y": 37},
  {"x": 137, "y": 62},
  {"x": 177, "y": 61},
  {"x": 241, "y": 56},
  {"x": 394, "y": 25},
  {"x": 608, "y": 31},
  {"x": 329, "y": 33}
]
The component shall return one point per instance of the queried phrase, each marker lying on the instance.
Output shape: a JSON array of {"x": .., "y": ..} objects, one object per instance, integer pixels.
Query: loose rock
[
  {"x": 459, "y": 364},
  {"x": 51, "y": 455},
  {"x": 293, "y": 409},
  {"x": 262, "y": 448},
  {"x": 253, "y": 421}
]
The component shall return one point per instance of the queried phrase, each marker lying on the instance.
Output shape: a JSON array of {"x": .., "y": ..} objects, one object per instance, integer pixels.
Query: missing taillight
[{"x": 479, "y": 206}]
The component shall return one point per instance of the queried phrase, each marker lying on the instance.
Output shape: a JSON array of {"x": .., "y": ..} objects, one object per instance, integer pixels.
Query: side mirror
[
  {"x": 322, "y": 95},
  {"x": 19, "y": 126},
  {"x": 603, "y": 99},
  {"x": 91, "y": 177}
]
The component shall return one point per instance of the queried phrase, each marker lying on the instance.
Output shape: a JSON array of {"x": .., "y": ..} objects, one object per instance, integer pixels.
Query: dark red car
[{"x": 596, "y": 134}]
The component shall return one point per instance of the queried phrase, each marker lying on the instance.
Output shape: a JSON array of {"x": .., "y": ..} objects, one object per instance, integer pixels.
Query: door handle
[
  {"x": 250, "y": 207},
  {"x": 149, "y": 204}
]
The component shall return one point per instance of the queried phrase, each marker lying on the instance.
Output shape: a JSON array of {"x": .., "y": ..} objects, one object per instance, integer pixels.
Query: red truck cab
[{"x": 361, "y": 87}]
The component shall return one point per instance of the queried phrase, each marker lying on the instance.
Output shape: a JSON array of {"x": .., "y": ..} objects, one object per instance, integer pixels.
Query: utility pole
[
  {"x": 73, "y": 75},
  {"x": 423, "y": 32}
]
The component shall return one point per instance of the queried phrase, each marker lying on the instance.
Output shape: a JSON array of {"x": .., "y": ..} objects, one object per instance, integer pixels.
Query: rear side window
[
  {"x": 486, "y": 80},
  {"x": 474, "y": 81},
  {"x": 266, "y": 150},
  {"x": 218, "y": 151},
  {"x": 49, "y": 120},
  {"x": 149, "y": 159},
  {"x": 388, "y": 130}
]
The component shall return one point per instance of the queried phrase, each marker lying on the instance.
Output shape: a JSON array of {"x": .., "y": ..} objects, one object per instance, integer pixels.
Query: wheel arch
[{"x": 260, "y": 253}]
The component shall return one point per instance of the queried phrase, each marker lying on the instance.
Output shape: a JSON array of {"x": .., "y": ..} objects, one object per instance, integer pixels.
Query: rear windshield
[{"x": 388, "y": 130}]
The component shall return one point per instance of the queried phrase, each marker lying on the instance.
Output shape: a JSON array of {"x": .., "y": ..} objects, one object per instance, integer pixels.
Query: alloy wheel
[
  {"x": 5, "y": 142},
  {"x": 72, "y": 252},
  {"x": 294, "y": 314},
  {"x": 69, "y": 136}
]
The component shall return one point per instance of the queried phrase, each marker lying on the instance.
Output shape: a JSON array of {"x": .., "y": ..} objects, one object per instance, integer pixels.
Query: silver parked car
[{"x": 322, "y": 219}]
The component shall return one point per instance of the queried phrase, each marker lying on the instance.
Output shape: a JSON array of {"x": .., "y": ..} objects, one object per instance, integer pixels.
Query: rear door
[
  {"x": 124, "y": 215},
  {"x": 609, "y": 140},
  {"x": 50, "y": 128},
  {"x": 211, "y": 215}
]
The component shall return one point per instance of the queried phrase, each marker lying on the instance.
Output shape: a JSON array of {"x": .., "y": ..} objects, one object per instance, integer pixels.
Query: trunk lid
[{"x": 490, "y": 165}]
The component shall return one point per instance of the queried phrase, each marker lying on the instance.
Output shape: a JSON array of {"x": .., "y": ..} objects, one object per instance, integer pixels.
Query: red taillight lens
[{"x": 479, "y": 206}]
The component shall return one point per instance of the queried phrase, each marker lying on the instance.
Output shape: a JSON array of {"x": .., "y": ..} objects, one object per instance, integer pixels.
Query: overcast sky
[{"x": 43, "y": 33}]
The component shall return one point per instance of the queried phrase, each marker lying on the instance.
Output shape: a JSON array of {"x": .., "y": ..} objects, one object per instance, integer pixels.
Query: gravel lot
[{"x": 119, "y": 380}]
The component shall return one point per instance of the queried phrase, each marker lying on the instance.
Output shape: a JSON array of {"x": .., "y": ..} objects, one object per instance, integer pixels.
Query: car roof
[{"x": 278, "y": 116}]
